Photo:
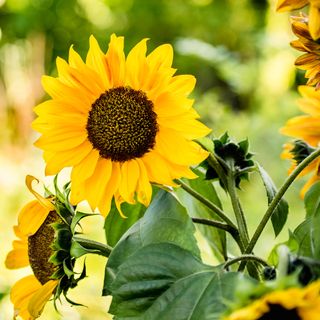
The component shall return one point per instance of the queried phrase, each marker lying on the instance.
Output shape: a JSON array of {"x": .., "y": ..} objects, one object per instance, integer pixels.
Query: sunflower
[
  {"x": 314, "y": 13},
  {"x": 307, "y": 128},
  {"x": 38, "y": 226},
  {"x": 120, "y": 123},
  {"x": 292, "y": 303},
  {"x": 310, "y": 61}
]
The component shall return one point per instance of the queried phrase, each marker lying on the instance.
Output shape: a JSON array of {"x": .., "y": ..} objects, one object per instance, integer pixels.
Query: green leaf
[
  {"x": 215, "y": 237},
  {"x": 164, "y": 281},
  {"x": 165, "y": 220},
  {"x": 115, "y": 226},
  {"x": 312, "y": 200},
  {"x": 280, "y": 214},
  {"x": 307, "y": 236}
]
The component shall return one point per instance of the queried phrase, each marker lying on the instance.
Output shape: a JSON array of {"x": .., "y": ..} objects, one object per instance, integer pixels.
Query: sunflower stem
[
  {"x": 241, "y": 221},
  {"x": 206, "y": 202},
  {"x": 275, "y": 201},
  {"x": 98, "y": 247},
  {"x": 220, "y": 225},
  {"x": 245, "y": 257}
]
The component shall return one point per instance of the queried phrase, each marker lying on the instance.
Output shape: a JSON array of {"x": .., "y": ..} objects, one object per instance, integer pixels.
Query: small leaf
[
  {"x": 115, "y": 226},
  {"x": 280, "y": 214}
]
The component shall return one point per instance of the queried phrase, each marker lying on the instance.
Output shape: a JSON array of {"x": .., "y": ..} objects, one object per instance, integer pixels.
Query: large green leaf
[
  {"x": 164, "y": 281},
  {"x": 280, "y": 214},
  {"x": 166, "y": 220},
  {"x": 115, "y": 225},
  {"x": 215, "y": 237},
  {"x": 312, "y": 200}
]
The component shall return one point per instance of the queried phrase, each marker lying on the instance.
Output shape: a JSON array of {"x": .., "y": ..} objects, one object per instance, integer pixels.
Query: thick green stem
[
  {"x": 241, "y": 221},
  {"x": 97, "y": 247},
  {"x": 217, "y": 166},
  {"x": 275, "y": 201},
  {"x": 245, "y": 257},
  {"x": 206, "y": 202}
]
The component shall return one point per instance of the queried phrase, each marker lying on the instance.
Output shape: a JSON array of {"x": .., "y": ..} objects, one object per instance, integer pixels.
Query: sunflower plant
[{"x": 140, "y": 156}]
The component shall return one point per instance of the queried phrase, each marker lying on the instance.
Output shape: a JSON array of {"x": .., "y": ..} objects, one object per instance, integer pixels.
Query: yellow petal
[
  {"x": 144, "y": 189},
  {"x": 17, "y": 258},
  {"x": 161, "y": 57},
  {"x": 60, "y": 91},
  {"x": 129, "y": 178},
  {"x": 56, "y": 161},
  {"x": 41, "y": 297},
  {"x": 97, "y": 61},
  {"x": 314, "y": 21},
  {"x": 21, "y": 293},
  {"x": 31, "y": 217},
  {"x": 136, "y": 65},
  {"x": 46, "y": 203},
  {"x": 186, "y": 125},
  {"x": 110, "y": 190},
  {"x": 177, "y": 149},
  {"x": 289, "y": 5},
  {"x": 182, "y": 84},
  {"x": 157, "y": 169},
  {"x": 116, "y": 61},
  {"x": 96, "y": 184},
  {"x": 85, "y": 79}
]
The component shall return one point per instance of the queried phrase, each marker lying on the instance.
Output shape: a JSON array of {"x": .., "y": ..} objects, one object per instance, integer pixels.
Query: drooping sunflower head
[
  {"x": 293, "y": 303},
  {"x": 44, "y": 231},
  {"x": 120, "y": 123}
]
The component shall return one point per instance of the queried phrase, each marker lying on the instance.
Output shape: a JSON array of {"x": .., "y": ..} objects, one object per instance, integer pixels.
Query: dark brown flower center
[
  {"x": 122, "y": 124},
  {"x": 279, "y": 312},
  {"x": 39, "y": 249}
]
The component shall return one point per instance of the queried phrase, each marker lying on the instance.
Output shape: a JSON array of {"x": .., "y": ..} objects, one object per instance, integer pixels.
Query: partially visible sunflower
[
  {"x": 293, "y": 303},
  {"x": 120, "y": 123},
  {"x": 310, "y": 61},
  {"x": 306, "y": 128},
  {"x": 314, "y": 13},
  {"x": 39, "y": 226}
]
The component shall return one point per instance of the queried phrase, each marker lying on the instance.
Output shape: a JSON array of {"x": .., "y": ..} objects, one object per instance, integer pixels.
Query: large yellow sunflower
[
  {"x": 310, "y": 61},
  {"x": 292, "y": 303},
  {"x": 307, "y": 128},
  {"x": 314, "y": 13},
  {"x": 120, "y": 123},
  {"x": 30, "y": 294}
]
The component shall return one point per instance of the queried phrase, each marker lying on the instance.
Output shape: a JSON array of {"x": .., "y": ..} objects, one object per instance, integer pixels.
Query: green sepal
[
  {"x": 77, "y": 250},
  {"x": 58, "y": 256},
  {"x": 68, "y": 270},
  {"x": 77, "y": 218},
  {"x": 58, "y": 274},
  {"x": 62, "y": 240}
]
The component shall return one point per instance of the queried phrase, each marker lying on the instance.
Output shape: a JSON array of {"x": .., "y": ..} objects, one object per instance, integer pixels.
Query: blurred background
[{"x": 246, "y": 84}]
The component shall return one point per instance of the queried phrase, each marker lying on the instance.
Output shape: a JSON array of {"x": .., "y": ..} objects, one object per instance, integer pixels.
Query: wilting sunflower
[
  {"x": 120, "y": 123},
  {"x": 306, "y": 128},
  {"x": 314, "y": 13},
  {"x": 292, "y": 303},
  {"x": 310, "y": 61},
  {"x": 43, "y": 243}
]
